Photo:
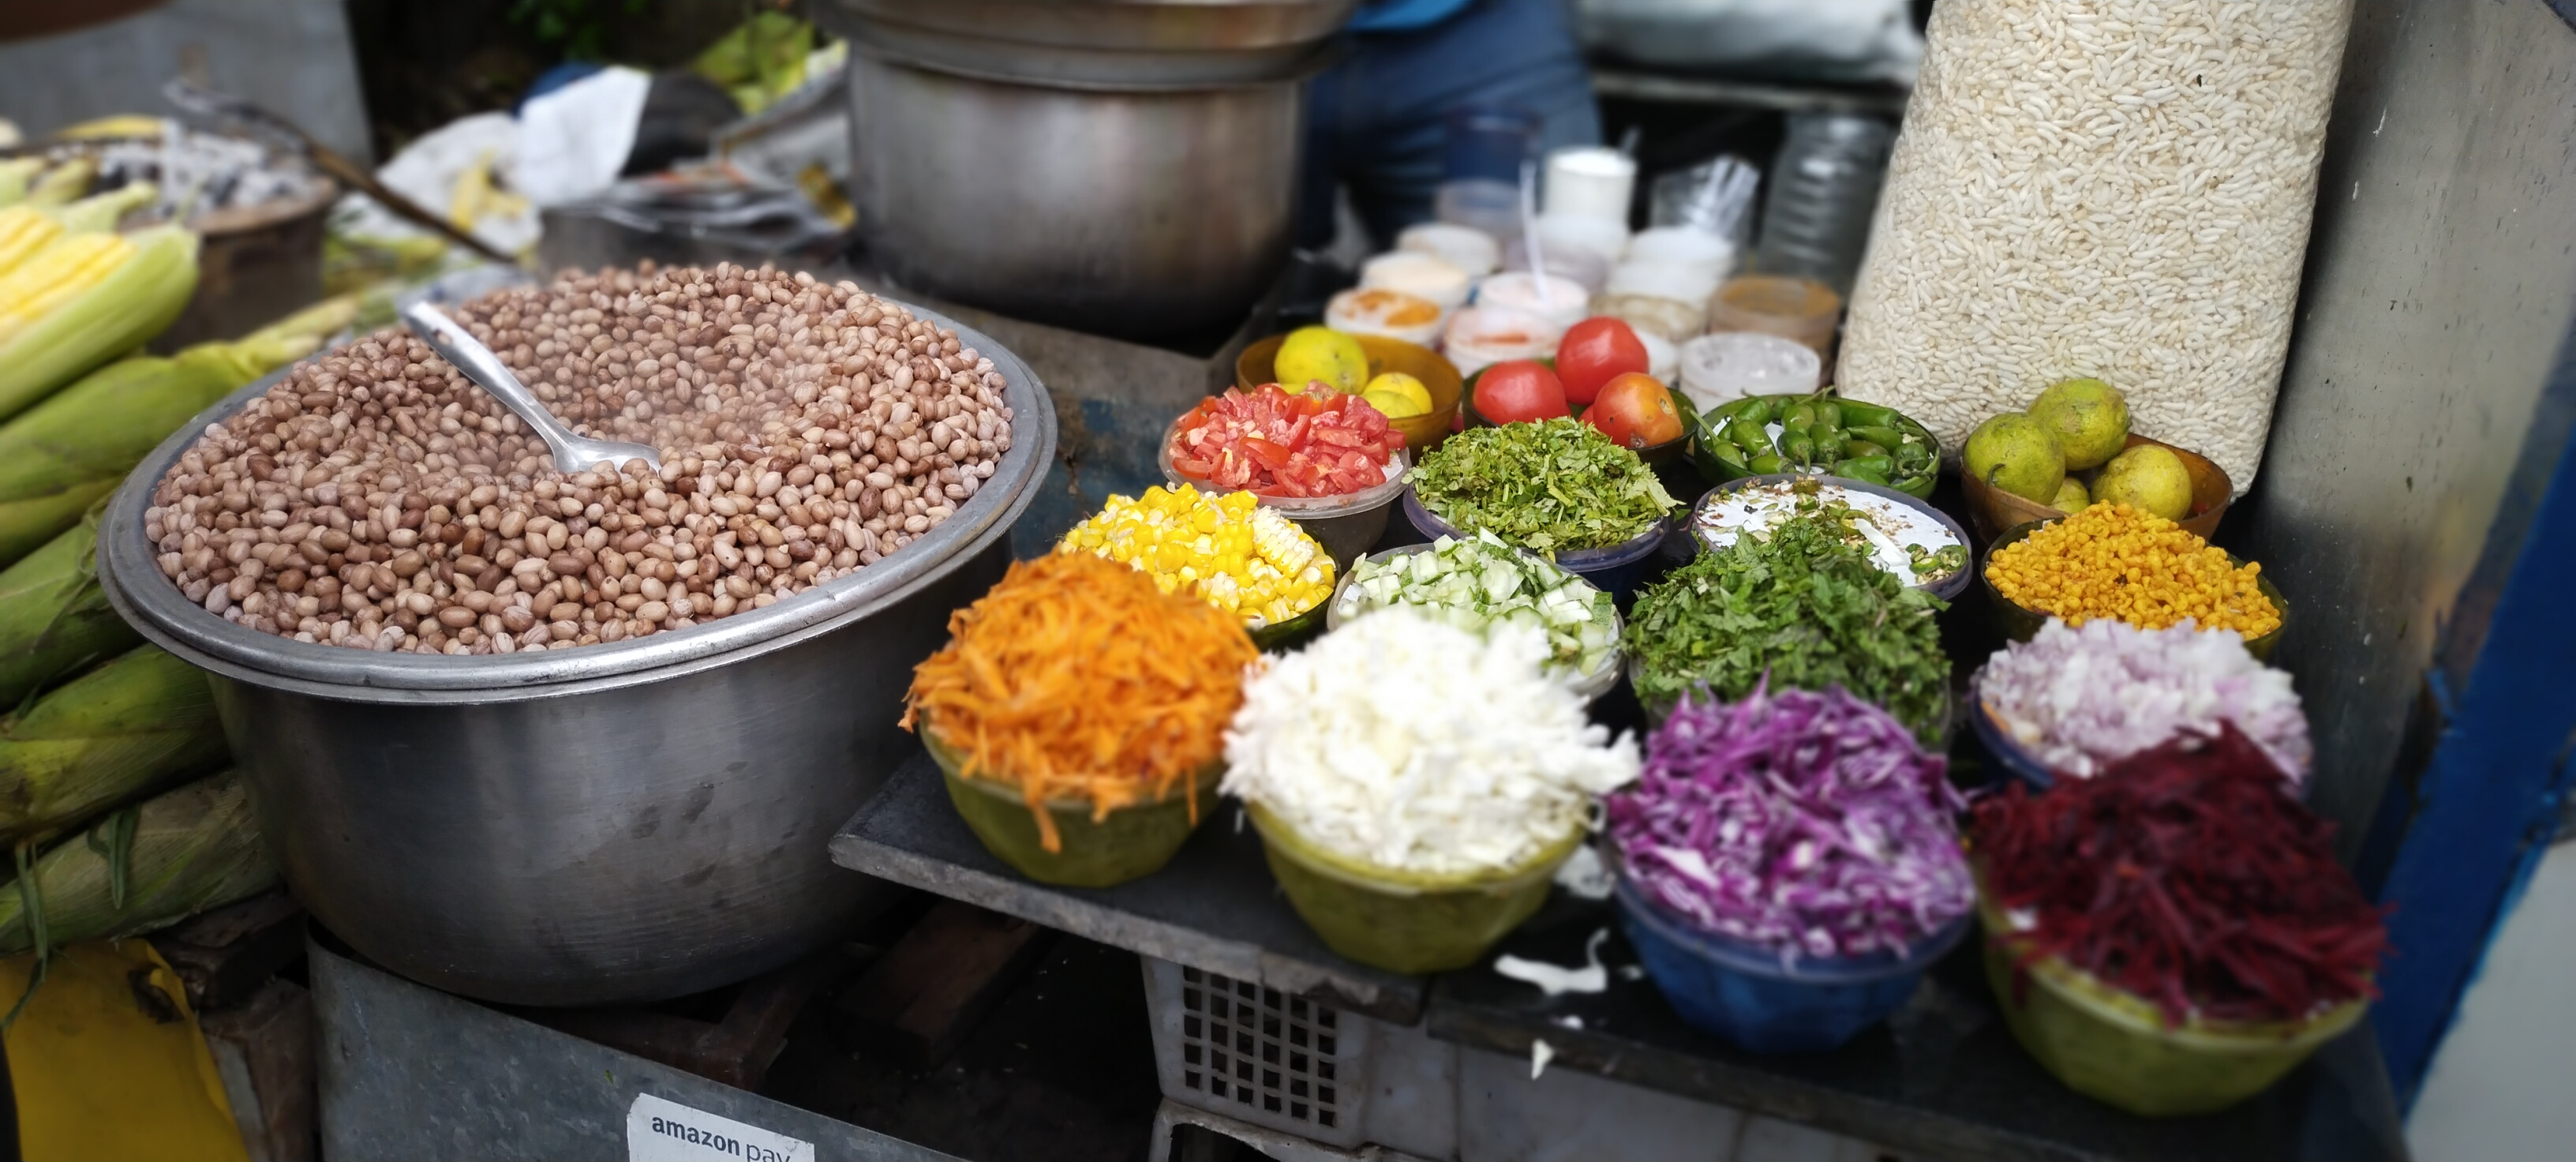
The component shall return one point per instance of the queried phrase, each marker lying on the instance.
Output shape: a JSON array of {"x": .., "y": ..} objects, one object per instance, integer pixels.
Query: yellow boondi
[{"x": 2132, "y": 566}]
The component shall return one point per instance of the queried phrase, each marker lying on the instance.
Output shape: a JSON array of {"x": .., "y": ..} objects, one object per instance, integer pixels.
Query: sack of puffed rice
[{"x": 2119, "y": 189}]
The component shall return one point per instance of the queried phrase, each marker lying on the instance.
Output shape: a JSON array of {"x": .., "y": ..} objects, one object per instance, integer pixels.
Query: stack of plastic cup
[{"x": 1589, "y": 181}]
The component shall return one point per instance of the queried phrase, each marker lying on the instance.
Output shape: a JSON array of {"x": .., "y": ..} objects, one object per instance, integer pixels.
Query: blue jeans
[{"x": 1374, "y": 120}]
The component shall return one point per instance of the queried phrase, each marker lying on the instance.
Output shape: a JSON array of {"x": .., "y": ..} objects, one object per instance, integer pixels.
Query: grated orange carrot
[{"x": 1077, "y": 678}]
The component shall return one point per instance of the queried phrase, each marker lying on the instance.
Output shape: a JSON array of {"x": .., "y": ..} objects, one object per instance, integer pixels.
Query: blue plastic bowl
[
  {"x": 1615, "y": 570},
  {"x": 2017, "y": 760},
  {"x": 1740, "y": 992}
]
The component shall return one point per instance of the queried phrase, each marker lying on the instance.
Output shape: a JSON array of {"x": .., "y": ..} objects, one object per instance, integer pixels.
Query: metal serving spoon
[{"x": 573, "y": 453}]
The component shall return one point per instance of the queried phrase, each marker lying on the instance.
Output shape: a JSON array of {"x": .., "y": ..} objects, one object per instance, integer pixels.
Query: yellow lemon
[
  {"x": 2147, "y": 477},
  {"x": 1397, "y": 395},
  {"x": 1320, "y": 354}
]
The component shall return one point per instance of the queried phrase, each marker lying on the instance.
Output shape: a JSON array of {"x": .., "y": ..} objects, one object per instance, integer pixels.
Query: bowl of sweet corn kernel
[
  {"x": 1241, "y": 555},
  {"x": 2131, "y": 566},
  {"x": 1346, "y": 525}
]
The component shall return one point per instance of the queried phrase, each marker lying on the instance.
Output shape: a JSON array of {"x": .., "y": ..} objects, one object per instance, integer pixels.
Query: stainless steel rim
[
  {"x": 1094, "y": 70},
  {"x": 166, "y": 617}
]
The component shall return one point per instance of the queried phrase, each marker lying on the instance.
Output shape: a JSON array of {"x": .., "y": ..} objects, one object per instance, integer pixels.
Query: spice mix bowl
[
  {"x": 1744, "y": 993},
  {"x": 1091, "y": 852},
  {"x": 1404, "y": 922},
  {"x": 2111, "y": 1045},
  {"x": 618, "y": 822},
  {"x": 2020, "y": 622}
]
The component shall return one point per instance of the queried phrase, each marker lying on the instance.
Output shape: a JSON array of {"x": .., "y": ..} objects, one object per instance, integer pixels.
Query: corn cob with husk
[
  {"x": 85, "y": 299},
  {"x": 141, "y": 722},
  {"x": 75, "y": 447},
  {"x": 63, "y": 183},
  {"x": 15, "y": 174},
  {"x": 25, "y": 230},
  {"x": 138, "y": 870},
  {"x": 54, "y": 617}
]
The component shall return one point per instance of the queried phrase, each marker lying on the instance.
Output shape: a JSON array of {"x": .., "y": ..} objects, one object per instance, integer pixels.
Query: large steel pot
[
  {"x": 1124, "y": 167},
  {"x": 621, "y": 822}
]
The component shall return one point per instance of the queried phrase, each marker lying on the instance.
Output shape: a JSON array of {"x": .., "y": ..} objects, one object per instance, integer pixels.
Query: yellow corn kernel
[
  {"x": 2132, "y": 566},
  {"x": 23, "y": 231}
]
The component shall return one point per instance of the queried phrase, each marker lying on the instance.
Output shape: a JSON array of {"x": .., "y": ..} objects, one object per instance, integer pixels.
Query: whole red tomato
[
  {"x": 1593, "y": 352},
  {"x": 1523, "y": 389},
  {"x": 1636, "y": 411}
]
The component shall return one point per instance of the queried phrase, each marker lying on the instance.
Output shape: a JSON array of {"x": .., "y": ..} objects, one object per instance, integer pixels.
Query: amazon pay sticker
[{"x": 666, "y": 1131}]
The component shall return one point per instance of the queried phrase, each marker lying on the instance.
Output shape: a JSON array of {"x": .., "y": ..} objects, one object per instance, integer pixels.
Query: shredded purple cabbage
[{"x": 1806, "y": 823}]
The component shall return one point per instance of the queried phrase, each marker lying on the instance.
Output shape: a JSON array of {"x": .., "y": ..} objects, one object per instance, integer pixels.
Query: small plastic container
[
  {"x": 1670, "y": 322},
  {"x": 1591, "y": 181},
  {"x": 1482, "y": 203},
  {"x": 1792, "y": 308},
  {"x": 1480, "y": 337},
  {"x": 1663, "y": 356},
  {"x": 1616, "y": 569},
  {"x": 1129, "y": 843},
  {"x": 2113, "y": 1046},
  {"x": 1389, "y": 314},
  {"x": 1465, "y": 247},
  {"x": 1602, "y": 238},
  {"x": 2020, "y": 624},
  {"x": 1348, "y": 602},
  {"x": 1574, "y": 262},
  {"x": 1721, "y": 369},
  {"x": 1399, "y": 921},
  {"x": 1684, "y": 246},
  {"x": 1743, "y": 993},
  {"x": 1947, "y": 586},
  {"x": 1415, "y": 273},
  {"x": 1563, "y": 303},
  {"x": 1670, "y": 280},
  {"x": 1344, "y": 525}
]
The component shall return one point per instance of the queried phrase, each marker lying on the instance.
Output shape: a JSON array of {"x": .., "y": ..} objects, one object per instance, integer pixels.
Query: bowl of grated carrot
[{"x": 1078, "y": 713}]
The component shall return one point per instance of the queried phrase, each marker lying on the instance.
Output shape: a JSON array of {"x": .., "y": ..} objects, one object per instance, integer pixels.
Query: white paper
[
  {"x": 574, "y": 140},
  {"x": 659, "y": 1130}
]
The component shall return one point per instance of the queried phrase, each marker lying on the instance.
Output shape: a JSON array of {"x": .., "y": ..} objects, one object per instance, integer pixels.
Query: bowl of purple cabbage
[
  {"x": 2073, "y": 700},
  {"x": 1789, "y": 864}
]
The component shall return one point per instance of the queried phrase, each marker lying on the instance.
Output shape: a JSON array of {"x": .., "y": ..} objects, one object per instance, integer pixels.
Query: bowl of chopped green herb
[
  {"x": 1905, "y": 536},
  {"x": 1558, "y": 488},
  {"x": 1803, "y": 605}
]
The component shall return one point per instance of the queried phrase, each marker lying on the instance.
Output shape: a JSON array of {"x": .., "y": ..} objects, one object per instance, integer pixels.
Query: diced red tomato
[{"x": 1318, "y": 442}]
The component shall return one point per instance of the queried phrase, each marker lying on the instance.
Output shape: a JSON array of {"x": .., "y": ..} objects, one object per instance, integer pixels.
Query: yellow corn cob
[
  {"x": 15, "y": 173},
  {"x": 24, "y": 230},
  {"x": 63, "y": 183},
  {"x": 85, "y": 299},
  {"x": 116, "y": 125},
  {"x": 62, "y": 271}
]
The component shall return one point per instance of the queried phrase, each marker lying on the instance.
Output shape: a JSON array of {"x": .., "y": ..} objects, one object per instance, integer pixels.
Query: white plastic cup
[
  {"x": 1589, "y": 181},
  {"x": 1663, "y": 356},
  {"x": 1564, "y": 304},
  {"x": 1416, "y": 273},
  {"x": 1684, "y": 246},
  {"x": 1664, "y": 280},
  {"x": 1600, "y": 237},
  {"x": 1480, "y": 337},
  {"x": 1720, "y": 369},
  {"x": 1583, "y": 266},
  {"x": 1465, "y": 247}
]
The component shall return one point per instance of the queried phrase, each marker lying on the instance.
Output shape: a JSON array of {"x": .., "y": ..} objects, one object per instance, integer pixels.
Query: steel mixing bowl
[{"x": 616, "y": 823}]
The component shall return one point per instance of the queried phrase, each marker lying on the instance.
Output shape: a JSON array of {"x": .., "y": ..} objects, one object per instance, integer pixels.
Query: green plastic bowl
[
  {"x": 1402, "y": 922},
  {"x": 1280, "y": 635},
  {"x": 1130, "y": 842},
  {"x": 2021, "y": 623},
  {"x": 2111, "y": 1045}
]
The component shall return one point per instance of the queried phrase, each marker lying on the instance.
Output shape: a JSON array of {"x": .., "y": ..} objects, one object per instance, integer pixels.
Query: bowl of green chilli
[{"x": 1817, "y": 434}]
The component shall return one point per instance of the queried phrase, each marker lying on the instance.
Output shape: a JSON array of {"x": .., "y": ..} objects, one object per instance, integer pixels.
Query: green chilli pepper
[
  {"x": 1859, "y": 449},
  {"x": 1800, "y": 415},
  {"x": 1766, "y": 465},
  {"x": 1796, "y": 447},
  {"x": 1873, "y": 469},
  {"x": 1869, "y": 415},
  {"x": 1748, "y": 436},
  {"x": 1829, "y": 413},
  {"x": 1879, "y": 434}
]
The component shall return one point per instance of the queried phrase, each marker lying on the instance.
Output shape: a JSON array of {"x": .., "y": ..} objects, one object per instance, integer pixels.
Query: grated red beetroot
[{"x": 2189, "y": 877}]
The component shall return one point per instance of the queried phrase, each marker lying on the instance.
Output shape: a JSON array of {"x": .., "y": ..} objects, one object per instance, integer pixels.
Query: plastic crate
[{"x": 1258, "y": 1055}]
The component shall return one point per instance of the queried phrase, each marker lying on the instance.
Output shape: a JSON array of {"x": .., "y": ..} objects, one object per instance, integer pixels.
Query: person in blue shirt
[{"x": 1374, "y": 121}]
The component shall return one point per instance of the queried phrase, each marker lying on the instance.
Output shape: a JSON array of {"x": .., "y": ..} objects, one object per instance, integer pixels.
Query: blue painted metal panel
[{"x": 2488, "y": 802}]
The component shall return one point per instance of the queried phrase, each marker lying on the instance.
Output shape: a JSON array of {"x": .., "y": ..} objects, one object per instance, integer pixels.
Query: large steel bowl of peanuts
[{"x": 558, "y": 738}]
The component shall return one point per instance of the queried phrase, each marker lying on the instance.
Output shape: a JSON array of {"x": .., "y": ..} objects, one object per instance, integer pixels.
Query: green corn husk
[
  {"x": 140, "y": 869},
  {"x": 76, "y": 447},
  {"x": 137, "y": 301},
  {"x": 64, "y": 183},
  {"x": 15, "y": 173},
  {"x": 141, "y": 722},
  {"x": 54, "y": 617},
  {"x": 101, "y": 211}
]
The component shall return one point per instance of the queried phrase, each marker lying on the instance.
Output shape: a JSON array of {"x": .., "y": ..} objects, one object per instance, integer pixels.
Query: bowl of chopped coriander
[
  {"x": 1803, "y": 605},
  {"x": 1557, "y": 488},
  {"x": 1904, "y": 536}
]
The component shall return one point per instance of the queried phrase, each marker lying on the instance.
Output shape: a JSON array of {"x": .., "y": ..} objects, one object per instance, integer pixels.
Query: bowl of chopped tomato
[
  {"x": 1324, "y": 459},
  {"x": 1258, "y": 365}
]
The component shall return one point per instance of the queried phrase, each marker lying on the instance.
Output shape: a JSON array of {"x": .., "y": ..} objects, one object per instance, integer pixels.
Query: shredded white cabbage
[{"x": 1415, "y": 745}]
